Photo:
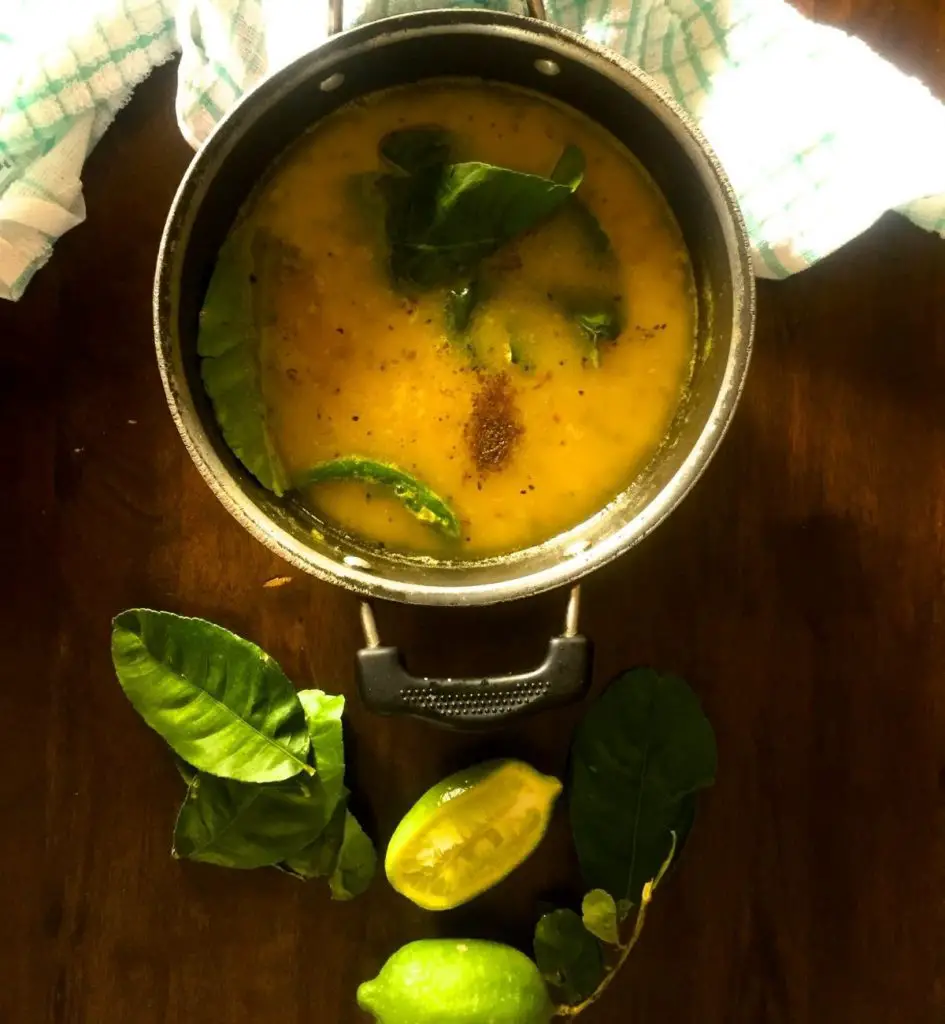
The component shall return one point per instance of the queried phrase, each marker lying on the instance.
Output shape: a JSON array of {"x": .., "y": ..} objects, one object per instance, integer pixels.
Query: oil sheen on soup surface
[{"x": 518, "y": 425}]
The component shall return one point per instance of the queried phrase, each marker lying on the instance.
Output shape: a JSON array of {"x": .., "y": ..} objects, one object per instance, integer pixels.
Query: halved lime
[{"x": 468, "y": 832}]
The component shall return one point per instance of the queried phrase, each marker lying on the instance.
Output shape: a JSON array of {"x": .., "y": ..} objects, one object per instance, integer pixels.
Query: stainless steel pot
[{"x": 519, "y": 51}]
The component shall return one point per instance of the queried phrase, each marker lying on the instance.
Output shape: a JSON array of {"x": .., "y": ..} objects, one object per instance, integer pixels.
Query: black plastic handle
[{"x": 388, "y": 688}]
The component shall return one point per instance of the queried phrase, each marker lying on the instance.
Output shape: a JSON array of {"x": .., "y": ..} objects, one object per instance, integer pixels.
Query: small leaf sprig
[
  {"x": 638, "y": 759},
  {"x": 600, "y": 919}
]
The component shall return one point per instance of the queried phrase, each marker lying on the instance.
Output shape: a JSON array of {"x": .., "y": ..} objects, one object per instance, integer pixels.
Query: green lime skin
[
  {"x": 544, "y": 790},
  {"x": 457, "y": 981}
]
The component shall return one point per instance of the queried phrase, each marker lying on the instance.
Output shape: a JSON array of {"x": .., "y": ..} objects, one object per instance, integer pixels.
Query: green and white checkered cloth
[{"x": 818, "y": 133}]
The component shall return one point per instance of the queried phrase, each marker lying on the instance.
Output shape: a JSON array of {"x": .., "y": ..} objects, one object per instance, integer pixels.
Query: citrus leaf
[
  {"x": 683, "y": 826},
  {"x": 569, "y": 170},
  {"x": 222, "y": 704},
  {"x": 248, "y": 825},
  {"x": 568, "y": 956},
  {"x": 228, "y": 342},
  {"x": 356, "y": 863},
  {"x": 317, "y": 859},
  {"x": 409, "y": 150},
  {"x": 599, "y": 914},
  {"x": 323, "y": 714},
  {"x": 639, "y": 754},
  {"x": 590, "y": 227},
  {"x": 479, "y": 208},
  {"x": 444, "y": 219}
]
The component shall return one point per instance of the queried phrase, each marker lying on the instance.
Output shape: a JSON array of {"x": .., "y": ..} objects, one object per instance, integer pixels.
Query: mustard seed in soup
[{"x": 475, "y": 318}]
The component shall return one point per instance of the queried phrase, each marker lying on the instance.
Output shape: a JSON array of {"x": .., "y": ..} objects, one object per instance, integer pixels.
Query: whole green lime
[{"x": 457, "y": 981}]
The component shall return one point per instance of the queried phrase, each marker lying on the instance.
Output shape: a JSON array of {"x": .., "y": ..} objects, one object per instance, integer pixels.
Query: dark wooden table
[{"x": 799, "y": 588}]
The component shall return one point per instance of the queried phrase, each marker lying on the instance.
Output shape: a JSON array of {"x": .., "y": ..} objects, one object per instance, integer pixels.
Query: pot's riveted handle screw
[
  {"x": 536, "y": 8},
  {"x": 336, "y": 13},
  {"x": 388, "y": 688},
  {"x": 336, "y": 16},
  {"x": 372, "y": 638},
  {"x": 572, "y": 611}
]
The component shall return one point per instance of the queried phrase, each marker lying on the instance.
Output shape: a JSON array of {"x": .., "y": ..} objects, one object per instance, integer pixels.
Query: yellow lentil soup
[{"x": 527, "y": 419}]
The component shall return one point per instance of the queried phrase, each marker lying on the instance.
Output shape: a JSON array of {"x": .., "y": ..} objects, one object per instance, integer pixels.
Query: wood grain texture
[{"x": 799, "y": 588}]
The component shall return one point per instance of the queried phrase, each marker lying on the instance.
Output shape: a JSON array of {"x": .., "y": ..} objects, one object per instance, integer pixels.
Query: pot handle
[
  {"x": 336, "y": 13},
  {"x": 388, "y": 688}
]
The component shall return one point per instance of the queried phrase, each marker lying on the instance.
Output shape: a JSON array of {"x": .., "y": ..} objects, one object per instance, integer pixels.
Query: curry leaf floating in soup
[{"x": 457, "y": 319}]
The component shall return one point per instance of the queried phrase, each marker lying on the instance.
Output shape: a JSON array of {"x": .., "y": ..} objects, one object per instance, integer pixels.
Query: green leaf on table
[
  {"x": 317, "y": 859},
  {"x": 568, "y": 956},
  {"x": 248, "y": 825},
  {"x": 221, "y": 704},
  {"x": 356, "y": 862},
  {"x": 684, "y": 823},
  {"x": 639, "y": 754},
  {"x": 599, "y": 914},
  {"x": 343, "y": 854},
  {"x": 228, "y": 342},
  {"x": 323, "y": 714}
]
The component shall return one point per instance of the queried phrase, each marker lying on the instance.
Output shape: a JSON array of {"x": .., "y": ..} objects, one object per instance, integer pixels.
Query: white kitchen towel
[{"x": 818, "y": 133}]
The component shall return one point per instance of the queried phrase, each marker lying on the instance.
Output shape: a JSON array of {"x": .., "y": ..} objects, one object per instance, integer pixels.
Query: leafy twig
[{"x": 626, "y": 948}]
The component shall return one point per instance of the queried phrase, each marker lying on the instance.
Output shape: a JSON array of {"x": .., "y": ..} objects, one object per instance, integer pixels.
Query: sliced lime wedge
[{"x": 468, "y": 832}]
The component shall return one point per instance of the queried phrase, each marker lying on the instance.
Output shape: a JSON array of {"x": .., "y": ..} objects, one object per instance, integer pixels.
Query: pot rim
[{"x": 571, "y": 566}]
